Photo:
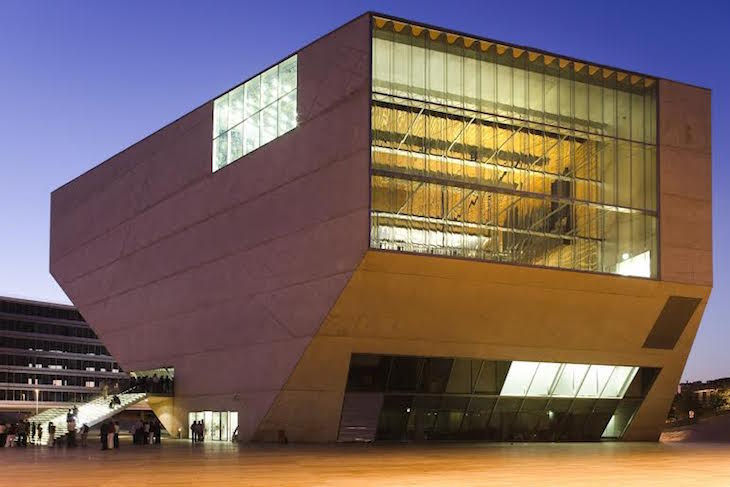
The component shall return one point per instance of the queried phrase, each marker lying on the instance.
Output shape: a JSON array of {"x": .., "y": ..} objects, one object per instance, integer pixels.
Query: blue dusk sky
[{"x": 82, "y": 80}]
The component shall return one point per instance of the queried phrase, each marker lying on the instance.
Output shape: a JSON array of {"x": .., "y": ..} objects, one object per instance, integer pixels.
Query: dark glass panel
[
  {"x": 368, "y": 373},
  {"x": 491, "y": 378},
  {"x": 462, "y": 378},
  {"x": 435, "y": 375},
  {"x": 404, "y": 373},
  {"x": 500, "y": 424},
  {"x": 394, "y": 417},
  {"x": 477, "y": 415},
  {"x": 643, "y": 380}
]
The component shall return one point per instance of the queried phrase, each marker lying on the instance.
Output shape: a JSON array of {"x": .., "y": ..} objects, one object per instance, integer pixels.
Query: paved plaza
[{"x": 178, "y": 463}]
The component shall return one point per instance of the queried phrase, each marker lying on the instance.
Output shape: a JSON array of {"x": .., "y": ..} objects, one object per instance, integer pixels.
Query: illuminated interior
[
  {"x": 218, "y": 425},
  {"x": 491, "y": 152},
  {"x": 255, "y": 113}
]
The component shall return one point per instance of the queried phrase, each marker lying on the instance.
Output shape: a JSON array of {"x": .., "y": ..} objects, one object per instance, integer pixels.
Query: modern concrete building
[{"x": 404, "y": 232}]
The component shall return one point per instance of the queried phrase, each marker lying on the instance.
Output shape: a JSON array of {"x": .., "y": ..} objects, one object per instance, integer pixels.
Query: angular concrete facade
[{"x": 257, "y": 282}]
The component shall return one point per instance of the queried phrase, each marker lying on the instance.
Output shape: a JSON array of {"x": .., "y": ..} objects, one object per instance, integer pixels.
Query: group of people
[
  {"x": 153, "y": 384},
  {"x": 109, "y": 434},
  {"x": 197, "y": 431},
  {"x": 12, "y": 434},
  {"x": 24, "y": 431},
  {"x": 146, "y": 432}
]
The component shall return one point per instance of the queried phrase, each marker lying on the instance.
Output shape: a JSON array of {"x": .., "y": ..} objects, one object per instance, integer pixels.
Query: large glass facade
[
  {"x": 491, "y": 152},
  {"x": 255, "y": 113},
  {"x": 461, "y": 398}
]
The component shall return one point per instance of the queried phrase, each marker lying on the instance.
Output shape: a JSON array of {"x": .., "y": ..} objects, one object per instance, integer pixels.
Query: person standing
[
  {"x": 32, "y": 431},
  {"x": 102, "y": 435},
  {"x": 51, "y": 433},
  {"x": 71, "y": 428},
  {"x": 110, "y": 435},
  {"x": 116, "y": 434},
  {"x": 157, "y": 432},
  {"x": 84, "y": 434},
  {"x": 40, "y": 432},
  {"x": 3, "y": 434}
]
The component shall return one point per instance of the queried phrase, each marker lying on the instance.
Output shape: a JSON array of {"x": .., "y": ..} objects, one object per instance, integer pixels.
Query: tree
[{"x": 717, "y": 401}]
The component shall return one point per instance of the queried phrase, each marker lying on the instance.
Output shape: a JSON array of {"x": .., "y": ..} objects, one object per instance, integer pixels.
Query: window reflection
[{"x": 255, "y": 113}]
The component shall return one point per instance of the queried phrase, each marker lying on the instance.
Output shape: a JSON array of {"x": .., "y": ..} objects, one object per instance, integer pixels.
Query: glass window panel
[
  {"x": 544, "y": 379},
  {"x": 252, "y": 92},
  {"x": 251, "y": 136},
  {"x": 570, "y": 380},
  {"x": 454, "y": 77},
  {"x": 436, "y": 75},
  {"x": 220, "y": 115},
  {"x": 404, "y": 374},
  {"x": 623, "y": 107},
  {"x": 619, "y": 381},
  {"x": 382, "y": 52},
  {"x": 220, "y": 151},
  {"x": 288, "y": 75},
  {"x": 595, "y": 380},
  {"x": 235, "y": 141},
  {"x": 519, "y": 378},
  {"x": 287, "y": 112},
  {"x": 235, "y": 110},
  {"x": 268, "y": 124},
  {"x": 402, "y": 52},
  {"x": 269, "y": 86}
]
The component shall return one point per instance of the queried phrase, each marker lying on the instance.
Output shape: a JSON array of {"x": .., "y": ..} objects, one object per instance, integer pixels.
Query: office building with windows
[
  {"x": 403, "y": 232},
  {"x": 50, "y": 357}
]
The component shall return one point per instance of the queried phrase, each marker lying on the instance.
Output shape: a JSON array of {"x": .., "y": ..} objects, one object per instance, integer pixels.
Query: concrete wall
[
  {"x": 225, "y": 276},
  {"x": 420, "y": 305},
  {"x": 685, "y": 184}
]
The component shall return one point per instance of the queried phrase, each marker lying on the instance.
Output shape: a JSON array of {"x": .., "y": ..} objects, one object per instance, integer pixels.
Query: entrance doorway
[{"x": 219, "y": 425}]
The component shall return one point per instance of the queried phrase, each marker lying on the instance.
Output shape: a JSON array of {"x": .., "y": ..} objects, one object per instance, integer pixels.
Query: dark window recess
[{"x": 671, "y": 322}]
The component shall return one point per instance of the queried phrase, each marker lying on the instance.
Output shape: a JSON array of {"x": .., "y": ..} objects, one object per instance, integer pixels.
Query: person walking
[
  {"x": 40, "y": 432},
  {"x": 51, "y": 433}
]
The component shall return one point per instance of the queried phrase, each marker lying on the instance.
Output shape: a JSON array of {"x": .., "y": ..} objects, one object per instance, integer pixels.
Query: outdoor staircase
[{"x": 90, "y": 413}]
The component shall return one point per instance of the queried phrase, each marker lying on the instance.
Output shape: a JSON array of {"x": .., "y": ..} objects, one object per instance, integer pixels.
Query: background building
[
  {"x": 405, "y": 232},
  {"x": 49, "y": 353}
]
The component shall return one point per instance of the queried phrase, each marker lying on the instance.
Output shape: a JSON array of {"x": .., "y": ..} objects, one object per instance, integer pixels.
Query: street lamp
[{"x": 36, "y": 402}]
